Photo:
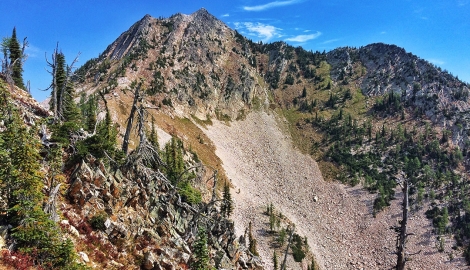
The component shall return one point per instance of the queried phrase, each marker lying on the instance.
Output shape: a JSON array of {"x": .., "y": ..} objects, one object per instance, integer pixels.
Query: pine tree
[
  {"x": 312, "y": 265},
  {"x": 275, "y": 261},
  {"x": 227, "y": 203},
  {"x": 58, "y": 84},
  {"x": 174, "y": 160},
  {"x": 252, "y": 241},
  {"x": 272, "y": 217},
  {"x": 201, "y": 251},
  {"x": 71, "y": 112},
  {"x": 89, "y": 110},
  {"x": 153, "y": 138},
  {"x": 16, "y": 59}
]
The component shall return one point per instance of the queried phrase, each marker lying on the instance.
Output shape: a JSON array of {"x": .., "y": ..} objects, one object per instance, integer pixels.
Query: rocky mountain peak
[
  {"x": 203, "y": 15},
  {"x": 129, "y": 39}
]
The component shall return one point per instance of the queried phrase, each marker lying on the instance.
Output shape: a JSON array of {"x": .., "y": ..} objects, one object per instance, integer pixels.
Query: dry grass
[{"x": 194, "y": 140}]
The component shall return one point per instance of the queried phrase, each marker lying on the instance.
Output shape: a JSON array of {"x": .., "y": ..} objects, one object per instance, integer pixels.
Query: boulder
[
  {"x": 3, "y": 235},
  {"x": 222, "y": 261},
  {"x": 84, "y": 257},
  {"x": 149, "y": 260}
]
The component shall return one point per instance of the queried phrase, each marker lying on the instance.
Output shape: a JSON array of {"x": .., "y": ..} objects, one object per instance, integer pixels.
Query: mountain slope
[
  {"x": 435, "y": 94},
  {"x": 194, "y": 69},
  {"x": 263, "y": 165}
]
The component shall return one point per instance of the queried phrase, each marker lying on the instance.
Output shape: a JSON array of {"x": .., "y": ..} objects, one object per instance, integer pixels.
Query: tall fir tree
[
  {"x": 275, "y": 261},
  {"x": 58, "y": 84},
  {"x": 252, "y": 241},
  {"x": 153, "y": 138},
  {"x": 16, "y": 59},
  {"x": 71, "y": 112},
  {"x": 227, "y": 202},
  {"x": 201, "y": 251},
  {"x": 174, "y": 160}
]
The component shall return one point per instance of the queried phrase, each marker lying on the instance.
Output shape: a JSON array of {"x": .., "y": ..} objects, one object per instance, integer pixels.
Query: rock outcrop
[{"x": 126, "y": 212}]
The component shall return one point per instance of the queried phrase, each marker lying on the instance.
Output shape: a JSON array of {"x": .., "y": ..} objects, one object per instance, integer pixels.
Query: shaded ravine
[{"x": 263, "y": 165}]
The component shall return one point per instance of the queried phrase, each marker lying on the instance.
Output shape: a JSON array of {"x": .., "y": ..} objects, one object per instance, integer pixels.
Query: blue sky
[{"x": 438, "y": 30}]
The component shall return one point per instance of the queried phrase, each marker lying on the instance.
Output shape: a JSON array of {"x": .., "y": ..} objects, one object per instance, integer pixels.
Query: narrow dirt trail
[{"x": 262, "y": 164}]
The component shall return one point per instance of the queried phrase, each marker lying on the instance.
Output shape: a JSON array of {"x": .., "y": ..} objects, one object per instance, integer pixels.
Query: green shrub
[
  {"x": 190, "y": 194},
  {"x": 297, "y": 248},
  {"x": 98, "y": 220}
]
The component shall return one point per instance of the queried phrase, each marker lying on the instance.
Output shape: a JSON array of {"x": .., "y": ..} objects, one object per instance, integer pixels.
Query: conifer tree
[
  {"x": 153, "y": 138},
  {"x": 174, "y": 160},
  {"x": 275, "y": 261},
  {"x": 58, "y": 83},
  {"x": 252, "y": 241},
  {"x": 227, "y": 203},
  {"x": 71, "y": 112},
  {"x": 16, "y": 59},
  {"x": 201, "y": 251},
  {"x": 88, "y": 108}
]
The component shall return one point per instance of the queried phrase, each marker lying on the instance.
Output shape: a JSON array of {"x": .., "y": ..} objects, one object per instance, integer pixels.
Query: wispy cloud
[
  {"x": 263, "y": 32},
  {"x": 304, "y": 38},
  {"x": 383, "y": 32},
  {"x": 330, "y": 41},
  {"x": 436, "y": 61},
  {"x": 462, "y": 3},
  {"x": 271, "y": 5},
  {"x": 226, "y": 15},
  {"x": 32, "y": 51}
]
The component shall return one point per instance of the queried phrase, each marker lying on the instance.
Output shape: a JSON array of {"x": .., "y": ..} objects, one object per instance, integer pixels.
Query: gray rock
[
  {"x": 222, "y": 261},
  {"x": 149, "y": 260},
  {"x": 83, "y": 256}
]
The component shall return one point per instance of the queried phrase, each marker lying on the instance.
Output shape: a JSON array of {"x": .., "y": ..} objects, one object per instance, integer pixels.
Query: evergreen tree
[
  {"x": 312, "y": 265},
  {"x": 272, "y": 217},
  {"x": 252, "y": 241},
  {"x": 153, "y": 138},
  {"x": 227, "y": 203},
  {"x": 201, "y": 251},
  {"x": 88, "y": 108},
  {"x": 58, "y": 83},
  {"x": 174, "y": 160},
  {"x": 16, "y": 59},
  {"x": 71, "y": 112},
  {"x": 275, "y": 261},
  {"x": 103, "y": 142}
]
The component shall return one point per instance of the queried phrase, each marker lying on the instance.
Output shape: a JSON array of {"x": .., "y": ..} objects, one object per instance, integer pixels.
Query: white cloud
[
  {"x": 270, "y": 5},
  {"x": 263, "y": 32},
  {"x": 226, "y": 15},
  {"x": 436, "y": 62},
  {"x": 303, "y": 38},
  {"x": 32, "y": 51},
  {"x": 383, "y": 32},
  {"x": 330, "y": 41}
]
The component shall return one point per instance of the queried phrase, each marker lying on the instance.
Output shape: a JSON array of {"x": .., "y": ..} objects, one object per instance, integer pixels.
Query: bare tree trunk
[
  {"x": 53, "y": 86},
  {"x": 130, "y": 120},
  {"x": 401, "y": 260}
]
